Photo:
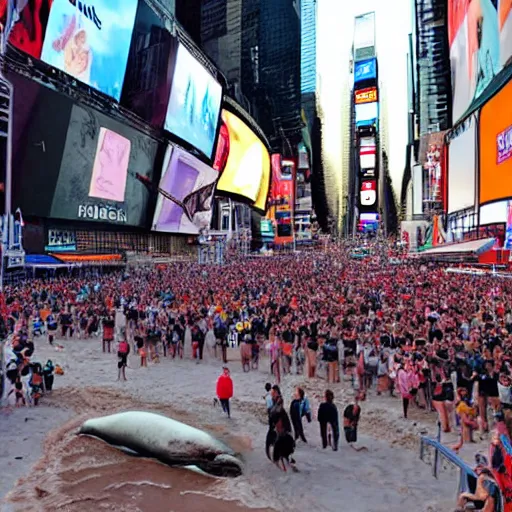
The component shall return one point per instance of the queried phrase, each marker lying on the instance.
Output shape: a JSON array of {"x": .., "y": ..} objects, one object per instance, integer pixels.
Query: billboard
[
  {"x": 147, "y": 84},
  {"x": 505, "y": 27},
  {"x": 37, "y": 145},
  {"x": 462, "y": 168},
  {"x": 194, "y": 103},
  {"x": 282, "y": 198},
  {"x": 480, "y": 44},
  {"x": 364, "y": 36},
  {"x": 367, "y": 114},
  {"x": 97, "y": 174},
  {"x": 91, "y": 43},
  {"x": 367, "y": 152},
  {"x": 368, "y": 194},
  {"x": 496, "y": 147},
  {"x": 365, "y": 70},
  {"x": 28, "y": 32},
  {"x": 247, "y": 170},
  {"x": 368, "y": 95},
  {"x": 191, "y": 183}
]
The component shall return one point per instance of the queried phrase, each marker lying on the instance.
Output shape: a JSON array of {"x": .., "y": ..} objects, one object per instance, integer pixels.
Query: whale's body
[{"x": 170, "y": 441}]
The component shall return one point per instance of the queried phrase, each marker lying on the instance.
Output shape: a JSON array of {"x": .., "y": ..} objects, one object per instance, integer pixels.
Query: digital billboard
[
  {"x": 462, "y": 168},
  {"x": 364, "y": 34},
  {"x": 191, "y": 183},
  {"x": 365, "y": 70},
  {"x": 28, "y": 32},
  {"x": 480, "y": 44},
  {"x": 247, "y": 170},
  {"x": 91, "y": 42},
  {"x": 37, "y": 144},
  {"x": 194, "y": 103},
  {"x": 282, "y": 197},
  {"x": 97, "y": 179},
  {"x": 110, "y": 170},
  {"x": 367, "y": 95},
  {"x": 505, "y": 27},
  {"x": 367, "y": 152},
  {"x": 496, "y": 147},
  {"x": 368, "y": 194},
  {"x": 367, "y": 114},
  {"x": 147, "y": 83}
]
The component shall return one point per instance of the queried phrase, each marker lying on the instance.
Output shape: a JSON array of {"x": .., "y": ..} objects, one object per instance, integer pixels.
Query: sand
[{"x": 60, "y": 471}]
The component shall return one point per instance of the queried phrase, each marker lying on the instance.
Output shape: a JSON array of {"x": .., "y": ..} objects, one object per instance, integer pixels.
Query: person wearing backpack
[{"x": 122, "y": 353}]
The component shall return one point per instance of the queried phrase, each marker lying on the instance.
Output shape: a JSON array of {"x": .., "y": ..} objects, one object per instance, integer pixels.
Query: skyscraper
[{"x": 308, "y": 47}]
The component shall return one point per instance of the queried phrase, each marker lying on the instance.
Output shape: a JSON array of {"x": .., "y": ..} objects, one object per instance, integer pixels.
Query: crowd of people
[{"x": 438, "y": 340}]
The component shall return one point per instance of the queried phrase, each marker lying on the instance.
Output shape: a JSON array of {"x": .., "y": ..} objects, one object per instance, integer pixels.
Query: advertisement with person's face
[
  {"x": 496, "y": 147},
  {"x": 92, "y": 43},
  {"x": 194, "y": 103},
  {"x": 474, "y": 38},
  {"x": 247, "y": 170},
  {"x": 191, "y": 184},
  {"x": 28, "y": 32},
  {"x": 147, "y": 83},
  {"x": 97, "y": 180}
]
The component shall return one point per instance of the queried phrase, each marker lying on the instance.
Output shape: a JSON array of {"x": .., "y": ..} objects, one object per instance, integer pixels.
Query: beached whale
[{"x": 174, "y": 443}]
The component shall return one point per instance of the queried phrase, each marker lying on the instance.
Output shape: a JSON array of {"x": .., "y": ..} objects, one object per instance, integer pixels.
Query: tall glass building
[{"x": 308, "y": 47}]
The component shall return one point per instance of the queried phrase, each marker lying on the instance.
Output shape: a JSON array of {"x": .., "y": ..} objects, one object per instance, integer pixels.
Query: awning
[
  {"x": 43, "y": 261},
  {"x": 471, "y": 248},
  {"x": 113, "y": 260}
]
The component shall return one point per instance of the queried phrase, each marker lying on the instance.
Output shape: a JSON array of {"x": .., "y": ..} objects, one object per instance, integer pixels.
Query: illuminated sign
[
  {"x": 504, "y": 145},
  {"x": 368, "y": 193},
  {"x": 368, "y": 95}
]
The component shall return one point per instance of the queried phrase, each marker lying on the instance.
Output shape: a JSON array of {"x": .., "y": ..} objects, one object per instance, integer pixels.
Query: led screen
[
  {"x": 97, "y": 180},
  {"x": 367, "y": 150},
  {"x": 365, "y": 70},
  {"x": 368, "y": 195},
  {"x": 91, "y": 43},
  {"x": 461, "y": 169},
  {"x": 194, "y": 103},
  {"x": 505, "y": 27},
  {"x": 37, "y": 145},
  {"x": 369, "y": 217},
  {"x": 476, "y": 54},
  {"x": 364, "y": 32},
  {"x": 247, "y": 170},
  {"x": 367, "y": 114},
  {"x": 110, "y": 169},
  {"x": 367, "y": 95},
  {"x": 496, "y": 147},
  {"x": 28, "y": 32},
  {"x": 191, "y": 184},
  {"x": 494, "y": 213},
  {"x": 147, "y": 84}
]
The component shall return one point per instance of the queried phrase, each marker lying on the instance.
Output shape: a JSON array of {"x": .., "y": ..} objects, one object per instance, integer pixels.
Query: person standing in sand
[{"x": 225, "y": 390}]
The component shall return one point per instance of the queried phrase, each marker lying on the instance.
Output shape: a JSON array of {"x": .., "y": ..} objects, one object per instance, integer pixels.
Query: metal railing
[{"x": 444, "y": 460}]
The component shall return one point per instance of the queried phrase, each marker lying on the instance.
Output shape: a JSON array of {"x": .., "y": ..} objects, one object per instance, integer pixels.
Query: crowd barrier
[{"x": 445, "y": 461}]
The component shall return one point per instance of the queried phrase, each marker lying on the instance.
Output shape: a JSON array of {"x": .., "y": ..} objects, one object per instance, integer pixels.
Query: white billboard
[
  {"x": 364, "y": 32},
  {"x": 462, "y": 168}
]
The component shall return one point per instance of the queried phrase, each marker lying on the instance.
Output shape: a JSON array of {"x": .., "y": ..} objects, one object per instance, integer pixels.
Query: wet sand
[{"x": 75, "y": 473}]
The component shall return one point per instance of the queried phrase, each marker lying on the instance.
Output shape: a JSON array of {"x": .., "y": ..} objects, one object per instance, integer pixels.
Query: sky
[{"x": 335, "y": 31}]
